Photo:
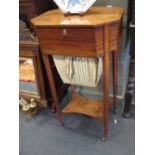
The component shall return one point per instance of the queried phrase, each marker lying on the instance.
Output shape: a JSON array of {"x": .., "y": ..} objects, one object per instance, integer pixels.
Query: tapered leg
[
  {"x": 106, "y": 60},
  {"x": 115, "y": 77},
  {"x": 52, "y": 86}
]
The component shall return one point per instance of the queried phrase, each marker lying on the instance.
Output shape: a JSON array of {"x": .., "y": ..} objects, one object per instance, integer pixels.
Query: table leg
[
  {"x": 115, "y": 77},
  {"x": 52, "y": 86},
  {"x": 106, "y": 64}
]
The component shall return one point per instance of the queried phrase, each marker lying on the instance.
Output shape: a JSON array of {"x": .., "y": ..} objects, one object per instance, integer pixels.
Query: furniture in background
[
  {"x": 131, "y": 77},
  {"x": 95, "y": 34},
  {"x": 33, "y": 82},
  {"x": 29, "y": 9}
]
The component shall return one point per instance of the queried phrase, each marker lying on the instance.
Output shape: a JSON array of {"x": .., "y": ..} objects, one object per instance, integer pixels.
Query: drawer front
[{"x": 70, "y": 41}]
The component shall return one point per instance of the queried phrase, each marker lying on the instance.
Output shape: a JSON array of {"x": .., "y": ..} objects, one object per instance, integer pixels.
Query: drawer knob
[{"x": 64, "y": 32}]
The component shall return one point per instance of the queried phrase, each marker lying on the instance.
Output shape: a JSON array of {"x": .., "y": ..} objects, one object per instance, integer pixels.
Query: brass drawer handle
[{"x": 64, "y": 32}]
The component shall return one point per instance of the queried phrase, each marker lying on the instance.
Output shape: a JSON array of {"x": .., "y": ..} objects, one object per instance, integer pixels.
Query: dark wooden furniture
[
  {"x": 29, "y": 48},
  {"x": 92, "y": 35},
  {"x": 31, "y": 8}
]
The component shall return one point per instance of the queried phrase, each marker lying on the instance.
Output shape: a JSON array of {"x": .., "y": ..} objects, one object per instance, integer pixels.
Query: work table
[{"x": 94, "y": 34}]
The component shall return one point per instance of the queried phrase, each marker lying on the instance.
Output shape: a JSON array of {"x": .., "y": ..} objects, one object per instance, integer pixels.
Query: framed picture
[{"x": 27, "y": 76}]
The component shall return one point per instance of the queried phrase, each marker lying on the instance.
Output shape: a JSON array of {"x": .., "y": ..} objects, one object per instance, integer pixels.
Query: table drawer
[{"x": 75, "y": 41}]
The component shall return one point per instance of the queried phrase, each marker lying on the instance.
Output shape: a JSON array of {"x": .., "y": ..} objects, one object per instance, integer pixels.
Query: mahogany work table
[{"x": 95, "y": 34}]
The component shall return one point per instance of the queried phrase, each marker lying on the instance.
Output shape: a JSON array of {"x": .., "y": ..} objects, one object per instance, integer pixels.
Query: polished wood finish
[
  {"x": 92, "y": 35},
  {"x": 52, "y": 86},
  {"x": 115, "y": 31},
  {"x": 88, "y": 39},
  {"x": 106, "y": 64},
  {"x": 83, "y": 105},
  {"x": 96, "y": 16}
]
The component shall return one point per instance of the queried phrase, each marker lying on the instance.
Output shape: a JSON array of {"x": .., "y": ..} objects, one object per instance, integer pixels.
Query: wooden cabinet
[
  {"x": 31, "y": 8},
  {"x": 34, "y": 83},
  {"x": 31, "y": 79}
]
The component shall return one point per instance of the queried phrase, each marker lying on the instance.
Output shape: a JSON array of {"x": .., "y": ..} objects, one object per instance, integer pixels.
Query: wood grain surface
[
  {"x": 83, "y": 105},
  {"x": 96, "y": 16},
  {"x": 79, "y": 41}
]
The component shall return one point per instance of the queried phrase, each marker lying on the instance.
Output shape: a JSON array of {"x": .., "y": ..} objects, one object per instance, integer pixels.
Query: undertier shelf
[{"x": 83, "y": 105}]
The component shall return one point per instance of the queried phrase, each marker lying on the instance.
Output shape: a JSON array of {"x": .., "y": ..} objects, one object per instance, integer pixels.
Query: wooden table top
[{"x": 96, "y": 16}]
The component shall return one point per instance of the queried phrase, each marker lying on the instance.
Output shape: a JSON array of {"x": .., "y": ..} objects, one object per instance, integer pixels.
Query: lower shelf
[{"x": 83, "y": 105}]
